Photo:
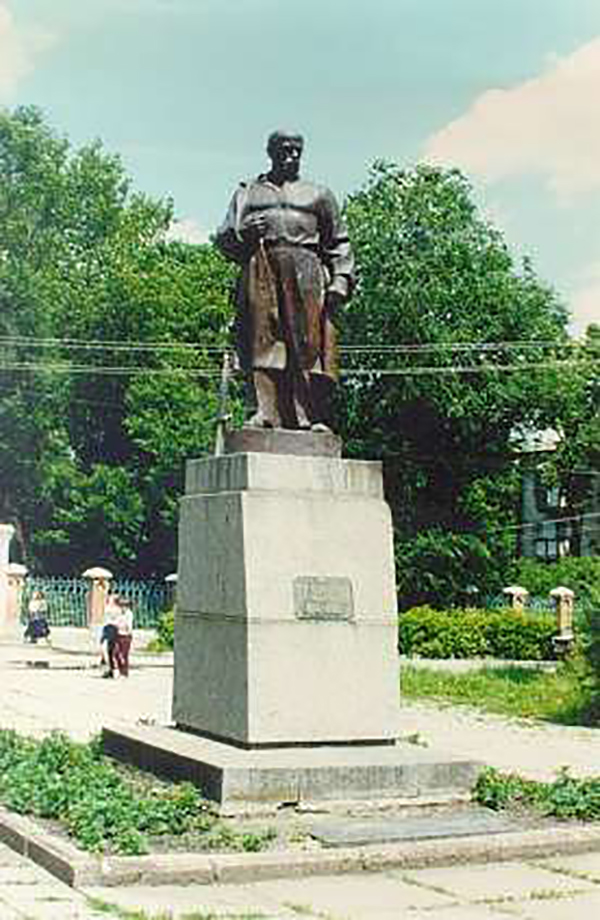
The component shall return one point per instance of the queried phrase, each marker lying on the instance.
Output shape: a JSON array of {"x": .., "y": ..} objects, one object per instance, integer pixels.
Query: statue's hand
[
  {"x": 333, "y": 300},
  {"x": 254, "y": 229}
]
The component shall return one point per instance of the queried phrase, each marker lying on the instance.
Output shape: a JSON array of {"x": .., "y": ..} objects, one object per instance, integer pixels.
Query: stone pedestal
[
  {"x": 286, "y": 670},
  {"x": 286, "y": 623}
]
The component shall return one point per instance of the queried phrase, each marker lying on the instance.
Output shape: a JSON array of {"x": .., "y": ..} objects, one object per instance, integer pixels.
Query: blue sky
[{"x": 187, "y": 90}]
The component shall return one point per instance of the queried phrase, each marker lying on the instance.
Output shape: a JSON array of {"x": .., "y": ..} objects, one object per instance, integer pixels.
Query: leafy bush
[
  {"x": 437, "y": 568},
  {"x": 166, "y": 628},
  {"x": 591, "y": 651},
  {"x": 473, "y": 633},
  {"x": 580, "y": 574},
  {"x": 165, "y": 632},
  {"x": 102, "y": 806},
  {"x": 565, "y": 797}
]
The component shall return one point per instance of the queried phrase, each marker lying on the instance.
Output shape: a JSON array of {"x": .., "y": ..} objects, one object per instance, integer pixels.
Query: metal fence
[
  {"x": 534, "y": 604},
  {"x": 540, "y": 604},
  {"x": 67, "y": 599},
  {"x": 148, "y": 600}
]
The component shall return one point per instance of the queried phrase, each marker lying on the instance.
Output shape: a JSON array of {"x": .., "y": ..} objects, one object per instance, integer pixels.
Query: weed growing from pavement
[
  {"x": 566, "y": 797},
  {"x": 104, "y": 806},
  {"x": 104, "y": 908},
  {"x": 556, "y": 696}
]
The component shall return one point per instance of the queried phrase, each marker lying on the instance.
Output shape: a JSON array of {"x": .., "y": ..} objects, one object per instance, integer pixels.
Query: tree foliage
[
  {"x": 110, "y": 338},
  {"x": 440, "y": 373},
  {"x": 102, "y": 394}
]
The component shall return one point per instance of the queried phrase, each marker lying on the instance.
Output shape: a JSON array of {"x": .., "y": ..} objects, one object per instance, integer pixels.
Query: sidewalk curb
[{"x": 67, "y": 863}]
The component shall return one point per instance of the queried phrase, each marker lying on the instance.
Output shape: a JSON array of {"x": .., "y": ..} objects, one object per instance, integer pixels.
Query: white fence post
[
  {"x": 518, "y": 596},
  {"x": 564, "y": 601},
  {"x": 6, "y": 535}
]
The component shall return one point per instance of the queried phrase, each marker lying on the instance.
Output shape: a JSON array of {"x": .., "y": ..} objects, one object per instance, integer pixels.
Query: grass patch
[
  {"x": 560, "y": 696},
  {"x": 104, "y": 806},
  {"x": 565, "y": 798}
]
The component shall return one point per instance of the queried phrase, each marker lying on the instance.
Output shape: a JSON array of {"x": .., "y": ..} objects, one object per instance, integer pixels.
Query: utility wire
[
  {"x": 586, "y": 516},
  {"x": 91, "y": 344},
  {"x": 100, "y": 370},
  {"x": 463, "y": 369},
  {"x": 112, "y": 371},
  {"x": 418, "y": 348}
]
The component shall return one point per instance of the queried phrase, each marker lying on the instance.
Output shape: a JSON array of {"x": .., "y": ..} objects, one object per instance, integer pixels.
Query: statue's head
[{"x": 285, "y": 150}]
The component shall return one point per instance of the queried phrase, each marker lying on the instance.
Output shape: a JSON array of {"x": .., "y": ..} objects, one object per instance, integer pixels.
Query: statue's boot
[
  {"x": 321, "y": 394},
  {"x": 301, "y": 395},
  {"x": 267, "y": 415}
]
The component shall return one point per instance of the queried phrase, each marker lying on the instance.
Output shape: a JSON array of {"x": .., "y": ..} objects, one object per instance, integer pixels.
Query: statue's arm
[
  {"x": 228, "y": 237},
  {"x": 335, "y": 248}
]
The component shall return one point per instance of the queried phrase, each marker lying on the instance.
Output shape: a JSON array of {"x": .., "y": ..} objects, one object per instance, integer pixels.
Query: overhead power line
[
  {"x": 415, "y": 348},
  {"x": 69, "y": 368},
  {"x": 586, "y": 516},
  {"x": 463, "y": 369},
  {"x": 112, "y": 371},
  {"x": 96, "y": 344}
]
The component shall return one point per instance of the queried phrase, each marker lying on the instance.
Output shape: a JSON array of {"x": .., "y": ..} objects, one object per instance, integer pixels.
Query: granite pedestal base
[
  {"x": 240, "y": 779},
  {"x": 286, "y": 678},
  {"x": 286, "y": 622}
]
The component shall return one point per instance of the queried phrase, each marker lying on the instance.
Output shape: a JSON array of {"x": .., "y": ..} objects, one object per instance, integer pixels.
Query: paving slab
[
  {"x": 585, "y": 865},
  {"x": 335, "y": 897},
  {"x": 511, "y": 881},
  {"x": 459, "y": 912},
  {"x": 444, "y": 822},
  {"x": 27, "y": 891},
  {"x": 179, "y": 900},
  {"x": 575, "y": 907}
]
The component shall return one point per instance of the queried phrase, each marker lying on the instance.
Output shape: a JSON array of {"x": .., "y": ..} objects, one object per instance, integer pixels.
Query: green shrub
[
  {"x": 580, "y": 574},
  {"x": 591, "y": 651},
  {"x": 104, "y": 807},
  {"x": 166, "y": 628},
  {"x": 473, "y": 633},
  {"x": 566, "y": 797},
  {"x": 165, "y": 631}
]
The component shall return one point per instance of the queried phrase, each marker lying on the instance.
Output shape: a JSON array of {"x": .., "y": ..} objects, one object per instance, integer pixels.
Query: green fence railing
[
  {"x": 66, "y": 599},
  {"x": 148, "y": 600}
]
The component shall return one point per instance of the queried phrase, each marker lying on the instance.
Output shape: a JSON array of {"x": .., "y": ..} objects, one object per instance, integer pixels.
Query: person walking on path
[
  {"x": 124, "y": 624},
  {"x": 108, "y": 636},
  {"x": 37, "y": 622}
]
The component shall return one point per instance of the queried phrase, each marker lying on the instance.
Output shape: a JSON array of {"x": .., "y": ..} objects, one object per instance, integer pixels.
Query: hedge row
[{"x": 473, "y": 633}]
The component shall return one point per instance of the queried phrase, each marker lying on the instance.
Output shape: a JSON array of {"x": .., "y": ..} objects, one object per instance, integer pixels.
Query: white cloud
[
  {"x": 546, "y": 126},
  {"x": 187, "y": 230},
  {"x": 18, "y": 48}
]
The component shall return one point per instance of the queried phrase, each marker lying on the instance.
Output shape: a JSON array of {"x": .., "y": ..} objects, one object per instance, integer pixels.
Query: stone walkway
[
  {"x": 559, "y": 888},
  {"x": 43, "y": 689},
  {"x": 566, "y": 888},
  {"x": 29, "y": 893},
  {"x": 533, "y": 749}
]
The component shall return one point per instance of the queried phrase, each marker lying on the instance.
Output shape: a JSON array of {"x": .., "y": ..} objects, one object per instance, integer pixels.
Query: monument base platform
[
  {"x": 282, "y": 441},
  {"x": 240, "y": 779}
]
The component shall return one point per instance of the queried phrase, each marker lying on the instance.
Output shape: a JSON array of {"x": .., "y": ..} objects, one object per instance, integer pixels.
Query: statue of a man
[{"x": 297, "y": 268}]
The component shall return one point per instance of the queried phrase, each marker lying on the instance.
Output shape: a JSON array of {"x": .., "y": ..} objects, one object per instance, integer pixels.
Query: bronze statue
[{"x": 297, "y": 268}]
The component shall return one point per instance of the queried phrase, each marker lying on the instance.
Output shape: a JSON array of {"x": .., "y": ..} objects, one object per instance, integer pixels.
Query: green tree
[
  {"x": 423, "y": 391},
  {"x": 576, "y": 465},
  {"x": 111, "y": 340}
]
